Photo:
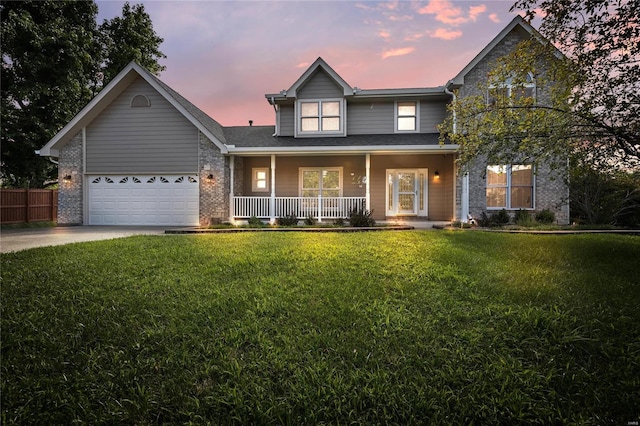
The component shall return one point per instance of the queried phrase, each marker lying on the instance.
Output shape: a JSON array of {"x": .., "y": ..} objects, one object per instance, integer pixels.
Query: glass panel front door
[{"x": 406, "y": 192}]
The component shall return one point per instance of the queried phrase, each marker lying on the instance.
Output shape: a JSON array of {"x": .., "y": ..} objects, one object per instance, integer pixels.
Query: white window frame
[
  {"x": 509, "y": 86},
  {"x": 508, "y": 187},
  {"x": 255, "y": 179},
  {"x": 396, "y": 115},
  {"x": 301, "y": 171},
  {"x": 341, "y": 118}
]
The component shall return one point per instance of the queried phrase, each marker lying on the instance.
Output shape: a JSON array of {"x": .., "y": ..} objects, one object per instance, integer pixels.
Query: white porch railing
[{"x": 302, "y": 207}]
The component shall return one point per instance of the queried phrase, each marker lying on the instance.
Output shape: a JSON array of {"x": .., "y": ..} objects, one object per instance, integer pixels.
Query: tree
[
  {"x": 47, "y": 51},
  {"x": 54, "y": 60},
  {"x": 130, "y": 37},
  {"x": 586, "y": 100}
]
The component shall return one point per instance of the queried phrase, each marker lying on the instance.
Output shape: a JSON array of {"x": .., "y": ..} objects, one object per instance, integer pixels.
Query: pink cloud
[
  {"x": 447, "y": 13},
  {"x": 384, "y": 34},
  {"x": 402, "y": 18},
  {"x": 494, "y": 17},
  {"x": 475, "y": 11},
  {"x": 303, "y": 65},
  {"x": 445, "y": 34},
  {"x": 397, "y": 52},
  {"x": 414, "y": 37}
]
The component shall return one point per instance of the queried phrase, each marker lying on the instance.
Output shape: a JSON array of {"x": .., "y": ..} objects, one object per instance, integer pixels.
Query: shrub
[
  {"x": 310, "y": 220},
  {"x": 484, "y": 220},
  {"x": 361, "y": 218},
  {"x": 254, "y": 221},
  {"x": 290, "y": 220},
  {"x": 523, "y": 218},
  {"x": 499, "y": 218},
  {"x": 339, "y": 222},
  {"x": 545, "y": 216}
]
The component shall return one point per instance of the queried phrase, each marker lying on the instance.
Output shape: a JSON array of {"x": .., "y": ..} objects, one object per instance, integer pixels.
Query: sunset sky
[{"x": 225, "y": 55}]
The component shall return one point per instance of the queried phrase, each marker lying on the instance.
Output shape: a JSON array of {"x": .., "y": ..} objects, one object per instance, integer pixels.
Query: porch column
[
  {"x": 464, "y": 199},
  {"x": 232, "y": 202},
  {"x": 367, "y": 167},
  {"x": 272, "y": 201}
]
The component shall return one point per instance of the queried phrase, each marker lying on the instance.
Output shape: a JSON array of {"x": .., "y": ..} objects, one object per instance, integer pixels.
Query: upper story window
[
  {"x": 320, "y": 117},
  {"x": 511, "y": 91},
  {"x": 510, "y": 186},
  {"x": 407, "y": 116}
]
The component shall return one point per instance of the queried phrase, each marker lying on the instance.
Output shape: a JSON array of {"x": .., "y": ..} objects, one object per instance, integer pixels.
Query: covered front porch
[{"x": 329, "y": 187}]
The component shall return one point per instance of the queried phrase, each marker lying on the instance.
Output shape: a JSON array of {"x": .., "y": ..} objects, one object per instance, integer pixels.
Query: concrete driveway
[{"x": 26, "y": 238}]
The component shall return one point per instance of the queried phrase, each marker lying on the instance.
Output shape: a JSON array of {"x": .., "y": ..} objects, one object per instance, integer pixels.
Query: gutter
[
  {"x": 453, "y": 95},
  {"x": 350, "y": 150}
]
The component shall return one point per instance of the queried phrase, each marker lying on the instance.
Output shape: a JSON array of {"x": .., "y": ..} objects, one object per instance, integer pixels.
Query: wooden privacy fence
[{"x": 28, "y": 205}]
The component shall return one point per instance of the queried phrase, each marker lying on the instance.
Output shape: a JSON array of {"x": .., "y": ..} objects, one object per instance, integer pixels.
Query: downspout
[
  {"x": 464, "y": 197},
  {"x": 275, "y": 108}
]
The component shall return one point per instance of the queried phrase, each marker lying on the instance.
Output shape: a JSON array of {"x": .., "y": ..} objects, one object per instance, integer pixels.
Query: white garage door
[{"x": 143, "y": 200}]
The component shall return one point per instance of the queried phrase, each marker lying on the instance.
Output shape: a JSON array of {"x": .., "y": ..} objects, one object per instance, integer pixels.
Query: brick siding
[
  {"x": 70, "y": 205},
  {"x": 214, "y": 193},
  {"x": 551, "y": 189}
]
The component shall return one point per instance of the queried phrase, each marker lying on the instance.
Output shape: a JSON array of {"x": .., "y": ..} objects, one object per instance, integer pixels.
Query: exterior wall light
[
  {"x": 66, "y": 178},
  {"x": 436, "y": 175},
  {"x": 209, "y": 177}
]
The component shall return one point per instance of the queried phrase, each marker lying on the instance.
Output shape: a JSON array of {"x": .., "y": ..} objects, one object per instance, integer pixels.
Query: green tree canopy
[
  {"x": 55, "y": 58},
  {"x": 48, "y": 55},
  {"x": 130, "y": 38},
  {"x": 586, "y": 100}
]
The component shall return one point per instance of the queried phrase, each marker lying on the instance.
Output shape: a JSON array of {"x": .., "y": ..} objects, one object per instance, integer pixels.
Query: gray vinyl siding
[
  {"x": 286, "y": 120},
  {"x": 432, "y": 113},
  {"x": 141, "y": 140},
  {"x": 368, "y": 118},
  {"x": 320, "y": 86}
]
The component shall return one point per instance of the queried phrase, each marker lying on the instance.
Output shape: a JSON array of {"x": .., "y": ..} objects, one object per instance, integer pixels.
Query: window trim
[
  {"x": 509, "y": 86},
  {"x": 301, "y": 171},
  {"x": 139, "y": 101},
  {"x": 341, "y": 118},
  {"x": 396, "y": 116},
  {"x": 254, "y": 179},
  {"x": 509, "y": 186}
]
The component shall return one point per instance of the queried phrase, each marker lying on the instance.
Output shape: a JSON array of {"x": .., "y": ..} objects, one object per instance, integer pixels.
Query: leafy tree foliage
[
  {"x": 586, "y": 100},
  {"x": 47, "y": 62},
  {"x": 602, "y": 40},
  {"x": 601, "y": 197},
  {"x": 55, "y": 58},
  {"x": 130, "y": 37}
]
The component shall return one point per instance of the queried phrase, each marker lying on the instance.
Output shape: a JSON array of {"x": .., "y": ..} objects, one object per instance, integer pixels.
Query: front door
[{"x": 406, "y": 192}]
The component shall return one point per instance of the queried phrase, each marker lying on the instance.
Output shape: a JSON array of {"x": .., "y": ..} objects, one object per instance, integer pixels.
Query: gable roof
[
  {"x": 208, "y": 126},
  {"x": 516, "y": 22},
  {"x": 320, "y": 63}
]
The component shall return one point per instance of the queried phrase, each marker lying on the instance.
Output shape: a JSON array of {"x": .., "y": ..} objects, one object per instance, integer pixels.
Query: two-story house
[{"x": 139, "y": 153}]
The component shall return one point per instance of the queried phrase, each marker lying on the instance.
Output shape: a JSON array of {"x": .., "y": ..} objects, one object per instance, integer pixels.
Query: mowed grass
[{"x": 295, "y": 328}]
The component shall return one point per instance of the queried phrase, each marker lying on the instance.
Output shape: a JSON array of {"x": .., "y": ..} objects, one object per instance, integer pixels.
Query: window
[
  {"x": 140, "y": 101},
  {"x": 407, "y": 116},
  {"x": 509, "y": 91},
  {"x": 326, "y": 182},
  {"x": 320, "y": 117},
  {"x": 260, "y": 179},
  {"x": 510, "y": 187}
]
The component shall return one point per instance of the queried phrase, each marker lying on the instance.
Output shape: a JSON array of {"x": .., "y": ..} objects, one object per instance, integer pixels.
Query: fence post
[
  {"x": 52, "y": 210},
  {"x": 28, "y": 212}
]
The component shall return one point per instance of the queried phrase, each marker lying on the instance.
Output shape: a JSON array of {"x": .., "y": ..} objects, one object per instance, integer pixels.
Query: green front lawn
[{"x": 294, "y": 328}]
